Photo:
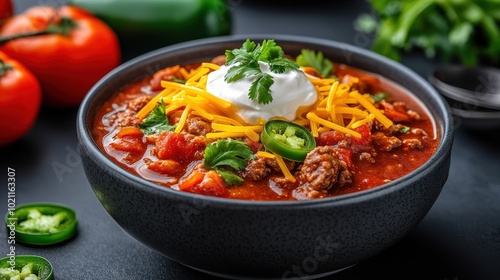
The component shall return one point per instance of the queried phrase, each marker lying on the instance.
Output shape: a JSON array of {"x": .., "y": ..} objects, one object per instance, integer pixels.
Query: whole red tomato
[
  {"x": 71, "y": 52},
  {"x": 6, "y": 10},
  {"x": 20, "y": 98}
]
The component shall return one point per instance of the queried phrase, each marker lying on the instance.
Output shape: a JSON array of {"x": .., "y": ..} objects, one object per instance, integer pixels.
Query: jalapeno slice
[
  {"x": 26, "y": 267},
  {"x": 42, "y": 223},
  {"x": 287, "y": 139}
]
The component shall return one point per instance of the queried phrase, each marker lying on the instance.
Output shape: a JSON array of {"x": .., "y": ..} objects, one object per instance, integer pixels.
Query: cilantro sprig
[
  {"x": 156, "y": 121},
  {"x": 244, "y": 62},
  {"x": 228, "y": 153},
  {"x": 315, "y": 60},
  {"x": 466, "y": 31}
]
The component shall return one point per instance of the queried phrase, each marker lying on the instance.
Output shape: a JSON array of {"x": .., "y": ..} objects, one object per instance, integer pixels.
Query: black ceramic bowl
[
  {"x": 250, "y": 239},
  {"x": 473, "y": 95}
]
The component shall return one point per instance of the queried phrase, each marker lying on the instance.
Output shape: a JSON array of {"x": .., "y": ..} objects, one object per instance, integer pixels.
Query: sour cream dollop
[{"x": 290, "y": 91}]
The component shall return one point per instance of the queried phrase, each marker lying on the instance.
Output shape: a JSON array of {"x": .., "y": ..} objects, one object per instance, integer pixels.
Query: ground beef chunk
[
  {"x": 345, "y": 175},
  {"x": 259, "y": 167},
  {"x": 322, "y": 168},
  {"x": 413, "y": 143},
  {"x": 273, "y": 164},
  {"x": 197, "y": 125},
  {"x": 283, "y": 183},
  {"x": 306, "y": 192},
  {"x": 127, "y": 116},
  {"x": 366, "y": 157},
  {"x": 136, "y": 104},
  {"x": 256, "y": 169},
  {"x": 386, "y": 143},
  {"x": 392, "y": 129}
]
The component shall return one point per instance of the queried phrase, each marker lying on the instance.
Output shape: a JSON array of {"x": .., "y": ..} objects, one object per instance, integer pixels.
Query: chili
[
  {"x": 368, "y": 155},
  {"x": 42, "y": 223},
  {"x": 26, "y": 267},
  {"x": 287, "y": 139}
]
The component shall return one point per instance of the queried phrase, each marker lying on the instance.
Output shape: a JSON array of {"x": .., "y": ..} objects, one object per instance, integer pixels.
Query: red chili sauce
[{"x": 339, "y": 165}]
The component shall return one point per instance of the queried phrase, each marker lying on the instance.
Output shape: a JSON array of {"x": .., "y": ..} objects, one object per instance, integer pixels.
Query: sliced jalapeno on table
[
  {"x": 42, "y": 223},
  {"x": 289, "y": 140},
  {"x": 26, "y": 267}
]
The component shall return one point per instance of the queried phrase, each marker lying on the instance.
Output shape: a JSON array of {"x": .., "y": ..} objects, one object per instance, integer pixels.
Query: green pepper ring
[
  {"x": 66, "y": 230},
  {"x": 283, "y": 150},
  {"x": 41, "y": 265}
]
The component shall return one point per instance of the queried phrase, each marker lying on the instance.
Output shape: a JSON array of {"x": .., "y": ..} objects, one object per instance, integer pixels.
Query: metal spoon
[{"x": 478, "y": 86}]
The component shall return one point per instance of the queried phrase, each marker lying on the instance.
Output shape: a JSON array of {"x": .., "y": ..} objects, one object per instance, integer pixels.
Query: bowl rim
[
  {"x": 463, "y": 95},
  {"x": 479, "y": 115},
  {"x": 444, "y": 146}
]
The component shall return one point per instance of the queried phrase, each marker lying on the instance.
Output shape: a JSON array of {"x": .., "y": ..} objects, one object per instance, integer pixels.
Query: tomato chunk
[
  {"x": 168, "y": 167},
  {"x": 209, "y": 183},
  {"x": 129, "y": 131},
  {"x": 345, "y": 155},
  {"x": 357, "y": 145},
  {"x": 129, "y": 142},
  {"x": 395, "y": 113},
  {"x": 180, "y": 147},
  {"x": 364, "y": 143},
  {"x": 329, "y": 138}
]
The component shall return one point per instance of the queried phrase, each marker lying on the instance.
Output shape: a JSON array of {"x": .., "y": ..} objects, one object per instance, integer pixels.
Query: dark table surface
[{"x": 458, "y": 239}]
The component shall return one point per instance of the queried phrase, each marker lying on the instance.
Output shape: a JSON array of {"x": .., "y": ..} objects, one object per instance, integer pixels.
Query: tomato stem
[
  {"x": 63, "y": 27},
  {"x": 4, "y": 68}
]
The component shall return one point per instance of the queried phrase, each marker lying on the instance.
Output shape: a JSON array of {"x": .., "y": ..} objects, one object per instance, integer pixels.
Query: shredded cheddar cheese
[
  {"x": 265, "y": 154},
  {"x": 342, "y": 108},
  {"x": 284, "y": 169},
  {"x": 339, "y": 107}
]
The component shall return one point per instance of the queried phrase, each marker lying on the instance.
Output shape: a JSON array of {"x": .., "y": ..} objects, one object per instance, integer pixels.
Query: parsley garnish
[
  {"x": 315, "y": 60},
  {"x": 465, "y": 31},
  {"x": 229, "y": 177},
  {"x": 244, "y": 62},
  {"x": 227, "y": 152},
  {"x": 156, "y": 121}
]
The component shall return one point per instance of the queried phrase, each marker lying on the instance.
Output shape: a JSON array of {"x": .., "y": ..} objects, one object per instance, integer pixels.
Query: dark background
[{"x": 458, "y": 239}]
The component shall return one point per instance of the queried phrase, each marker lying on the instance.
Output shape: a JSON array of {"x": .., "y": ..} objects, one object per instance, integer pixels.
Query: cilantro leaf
[
  {"x": 229, "y": 177},
  {"x": 244, "y": 62},
  {"x": 281, "y": 65},
  {"x": 156, "y": 121},
  {"x": 261, "y": 89},
  {"x": 237, "y": 72},
  {"x": 465, "y": 31},
  {"x": 227, "y": 153},
  {"x": 315, "y": 60},
  {"x": 269, "y": 51}
]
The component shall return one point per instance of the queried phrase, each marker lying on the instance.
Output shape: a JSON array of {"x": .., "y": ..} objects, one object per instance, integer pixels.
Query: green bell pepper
[
  {"x": 26, "y": 267},
  {"x": 150, "y": 24},
  {"x": 289, "y": 140},
  {"x": 41, "y": 223}
]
